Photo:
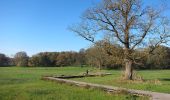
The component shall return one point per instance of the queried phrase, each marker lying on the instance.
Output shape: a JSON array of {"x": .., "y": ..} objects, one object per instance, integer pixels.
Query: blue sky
[{"x": 41, "y": 25}]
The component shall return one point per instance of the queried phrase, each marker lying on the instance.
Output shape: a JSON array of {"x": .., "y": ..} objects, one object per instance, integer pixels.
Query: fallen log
[{"x": 81, "y": 76}]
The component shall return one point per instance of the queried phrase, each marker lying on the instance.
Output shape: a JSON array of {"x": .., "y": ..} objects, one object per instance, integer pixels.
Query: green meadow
[
  {"x": 153, "y": 80},
  {"x": 24, "y": 83}
]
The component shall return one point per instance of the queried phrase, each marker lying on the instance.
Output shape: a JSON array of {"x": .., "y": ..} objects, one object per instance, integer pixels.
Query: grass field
[
  {"x": 23, "y": 83},
  {"x": 154, "y": 80}
]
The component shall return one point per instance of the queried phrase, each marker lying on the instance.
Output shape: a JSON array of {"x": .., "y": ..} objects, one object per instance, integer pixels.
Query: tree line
[{"x": 101, "y": 55}]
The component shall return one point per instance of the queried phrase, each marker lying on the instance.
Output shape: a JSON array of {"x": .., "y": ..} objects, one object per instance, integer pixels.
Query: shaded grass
[{"x": 21, "y": 83}]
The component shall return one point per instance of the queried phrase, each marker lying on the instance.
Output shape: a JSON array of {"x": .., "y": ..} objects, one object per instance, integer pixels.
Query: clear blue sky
[{"x": 40, "y": 25}]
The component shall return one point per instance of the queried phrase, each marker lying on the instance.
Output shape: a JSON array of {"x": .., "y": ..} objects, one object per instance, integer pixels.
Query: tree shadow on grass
[{"x": 164, "y": 79}]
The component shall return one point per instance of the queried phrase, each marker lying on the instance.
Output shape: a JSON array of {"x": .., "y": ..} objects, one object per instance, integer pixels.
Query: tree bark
[
  {"x": 128, "y": 70},
  {"x": 128, "y": 65},
  {"x": 100, "y": 67}
]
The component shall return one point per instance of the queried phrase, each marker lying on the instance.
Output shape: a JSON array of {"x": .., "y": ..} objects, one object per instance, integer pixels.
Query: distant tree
[
  {"x": 52, "y": 57},
  {"x": 96, "y": 56},
  {"x": 43, "y": 59},
  {"x": 80, "y": 58},
  {"x": 129, "y": 23},
  {"x": 21, "y": 59},
  {"x": 4, "y": 61},
  {"x": 160, "y": 59},
  {"x": 66, "y": 59},
  {"x": 34, "y": 61},
  {"x": 105, "y": 55}
]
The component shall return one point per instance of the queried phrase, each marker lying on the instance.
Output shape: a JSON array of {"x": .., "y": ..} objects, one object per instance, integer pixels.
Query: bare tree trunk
[
  {"x": 128, "y": 65},
  {"x": 128, "y": 70},
  {"x": 99, "y": 65}
]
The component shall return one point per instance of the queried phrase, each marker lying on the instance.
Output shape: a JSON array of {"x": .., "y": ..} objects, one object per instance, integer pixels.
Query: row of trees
[
  {"x": 4, "y": 60},
  {"x": 101, "y": 55},
  {"x": 104, "y": 55},
  {"x": 57, "y": 59},
  {"x": 45, "y": 59}
]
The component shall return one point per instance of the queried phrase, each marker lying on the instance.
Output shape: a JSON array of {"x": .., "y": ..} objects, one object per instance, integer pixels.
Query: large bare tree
[{"x": 128, "y": 22}]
